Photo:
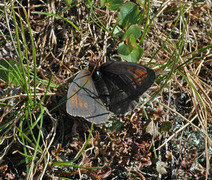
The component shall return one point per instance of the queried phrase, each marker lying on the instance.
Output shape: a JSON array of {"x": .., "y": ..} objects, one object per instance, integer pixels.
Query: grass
[{"x": 44, "y": 46}]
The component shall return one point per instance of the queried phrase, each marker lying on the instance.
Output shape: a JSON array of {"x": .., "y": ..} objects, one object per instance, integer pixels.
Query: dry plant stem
[
  {"x": 46, "y": 147},
  {"x": 202, "y": 114},
  {"x": 24, "y": 145},
  {"x": 178, "y": 131},
  {"x": 203, "y": 122},
  {"x": 205, "y": 98},
  {"x": 207, "y": 157},
  {"x": 25, "y": 95},
  {"x": 84, "y": 155},
  {"x": 105, "y": 36},
  {"x": 51, "y": 135},
  {"x": 189, "y": 122},
  {"x": 9, "y": 111},
  {"x": 6, "y": 149},
  {"x": 164, "y": 7}
]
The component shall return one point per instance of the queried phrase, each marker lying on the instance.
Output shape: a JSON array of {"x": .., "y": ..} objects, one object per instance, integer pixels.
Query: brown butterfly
[{"x": 112, "y": 87}]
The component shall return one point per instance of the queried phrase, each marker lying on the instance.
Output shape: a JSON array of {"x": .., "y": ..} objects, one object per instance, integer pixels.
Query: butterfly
[{"x": 112, "y": 87}]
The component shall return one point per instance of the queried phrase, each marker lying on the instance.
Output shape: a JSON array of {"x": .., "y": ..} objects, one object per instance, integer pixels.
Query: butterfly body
[
  {"x": 100, "y": 85},
  {"x": 114, "y": 86}
]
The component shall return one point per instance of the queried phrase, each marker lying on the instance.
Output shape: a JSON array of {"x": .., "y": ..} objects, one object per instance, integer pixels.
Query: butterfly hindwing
[{"x": 83, "y": 100}]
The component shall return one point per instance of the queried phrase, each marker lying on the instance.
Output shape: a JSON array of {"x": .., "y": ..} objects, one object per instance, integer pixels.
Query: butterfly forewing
[
  {"x": 83, "y": 100},
  {"x": 126, "y": 82}
]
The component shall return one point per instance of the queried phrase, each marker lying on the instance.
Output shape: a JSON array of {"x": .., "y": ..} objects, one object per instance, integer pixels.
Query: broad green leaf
[
  {"x": 124, "y": 50},
  {"x": 133, "y": 41},
  {"x": 134, "y": 30},
  {"x": 117, "y": 31},
  {"x": 128, "y": 14},
  {"x": 166, "y": 126},
  {"x": 102, "y": 2},
  {"x": 129, "y": 52},
  {"x": 68, "y": 2},
  {"x": 113, "y": 5}
]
